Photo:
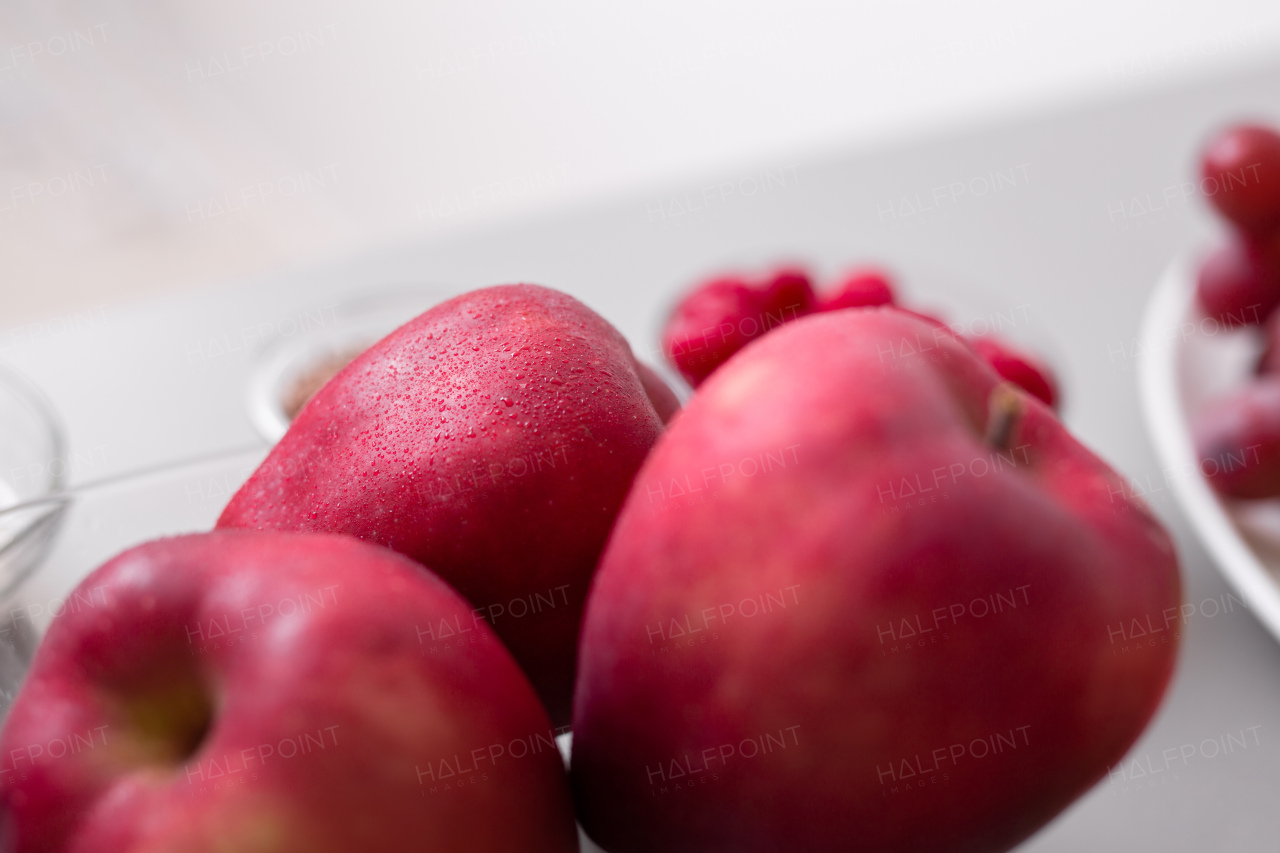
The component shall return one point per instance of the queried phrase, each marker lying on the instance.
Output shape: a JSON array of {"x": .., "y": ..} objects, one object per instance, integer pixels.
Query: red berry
[
  {"x": 865, "y": 288},
  {"x": 1238, "y": 285},
  {"x": 1024, "y": 370},
  {"x": 788, "y": 295},
  {"x": 1237, "y": 441},
  {"x": 1240, "y": 172},
  {"x": 709, "y": 325},
  {"x": 721, "y": 317}
]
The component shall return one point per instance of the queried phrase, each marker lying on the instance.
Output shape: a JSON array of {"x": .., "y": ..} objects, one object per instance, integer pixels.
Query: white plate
[{"x": 1186, "y": 360}]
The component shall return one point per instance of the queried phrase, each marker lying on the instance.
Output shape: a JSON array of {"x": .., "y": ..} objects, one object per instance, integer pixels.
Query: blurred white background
[{"x": 153, "y": 146}]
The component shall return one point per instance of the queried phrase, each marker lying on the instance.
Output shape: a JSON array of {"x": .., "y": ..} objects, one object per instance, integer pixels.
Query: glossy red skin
[
  {"x": 349, "y": 657},
  {"x": 932, "y": 319},
  {"x": 1243, "y": 164},
  {"x": 861, "y": 421},
  {"x": 1238, "y": 284},
  {"x": 1237, "y": 441},
  {"x": 1020, "y": 368},
  {"x": 860, "y": 289},
  {"x": 492, "y": 439}
]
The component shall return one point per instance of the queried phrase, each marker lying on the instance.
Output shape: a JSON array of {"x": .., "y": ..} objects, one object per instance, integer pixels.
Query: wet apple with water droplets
[{"x": 493, "y": 439}]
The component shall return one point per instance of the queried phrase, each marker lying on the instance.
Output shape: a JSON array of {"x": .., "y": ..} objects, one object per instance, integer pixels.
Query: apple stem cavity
[{"x": 1004, "y": 409}]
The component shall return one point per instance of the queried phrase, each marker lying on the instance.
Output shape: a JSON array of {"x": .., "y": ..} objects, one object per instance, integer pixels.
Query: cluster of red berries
[
  {"x": 1239, "y": 284},
  {"x": 1237, "y": 437},
  {"x": 724, "y": 314}
]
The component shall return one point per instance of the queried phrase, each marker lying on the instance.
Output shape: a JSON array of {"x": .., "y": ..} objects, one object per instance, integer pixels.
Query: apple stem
[{"x": 1004, "y": 409}]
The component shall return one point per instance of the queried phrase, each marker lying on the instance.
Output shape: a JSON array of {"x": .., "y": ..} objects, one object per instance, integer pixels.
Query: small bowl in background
[{"x": 291, "y": 369}]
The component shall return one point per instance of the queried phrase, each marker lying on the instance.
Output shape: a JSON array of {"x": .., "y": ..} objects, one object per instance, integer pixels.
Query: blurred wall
[{"x": 150, "y": 146}]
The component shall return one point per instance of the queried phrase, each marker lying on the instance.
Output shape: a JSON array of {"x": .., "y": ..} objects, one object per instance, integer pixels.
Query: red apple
[
  {"x": 492, "y": 439},
  {"x": 276, "y": 692},
  {"x": 1019, "y": 367},
  {"x": 864, "y": 595},
  {"x": 928, "y": 317},
  {"x": 1240, "y": 172},
  {"x": 1237, "y": 441},
  {"x": 664, "y": 400}
]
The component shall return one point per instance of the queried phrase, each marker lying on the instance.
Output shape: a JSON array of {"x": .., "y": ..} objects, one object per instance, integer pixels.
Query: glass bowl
[
  {"x": 66, "y": 535},
  {"x": 32, "y": 446},
  {"x": 33, "y": 466}
]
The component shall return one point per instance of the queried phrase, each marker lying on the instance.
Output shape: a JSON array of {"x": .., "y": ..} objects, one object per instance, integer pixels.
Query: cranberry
[
  {"x": 788, "y": 295},
  {"x": 1237, "y": 441},
  {"x": 1239, "y": 285},
  {"x": 1240, "y": 171}
]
